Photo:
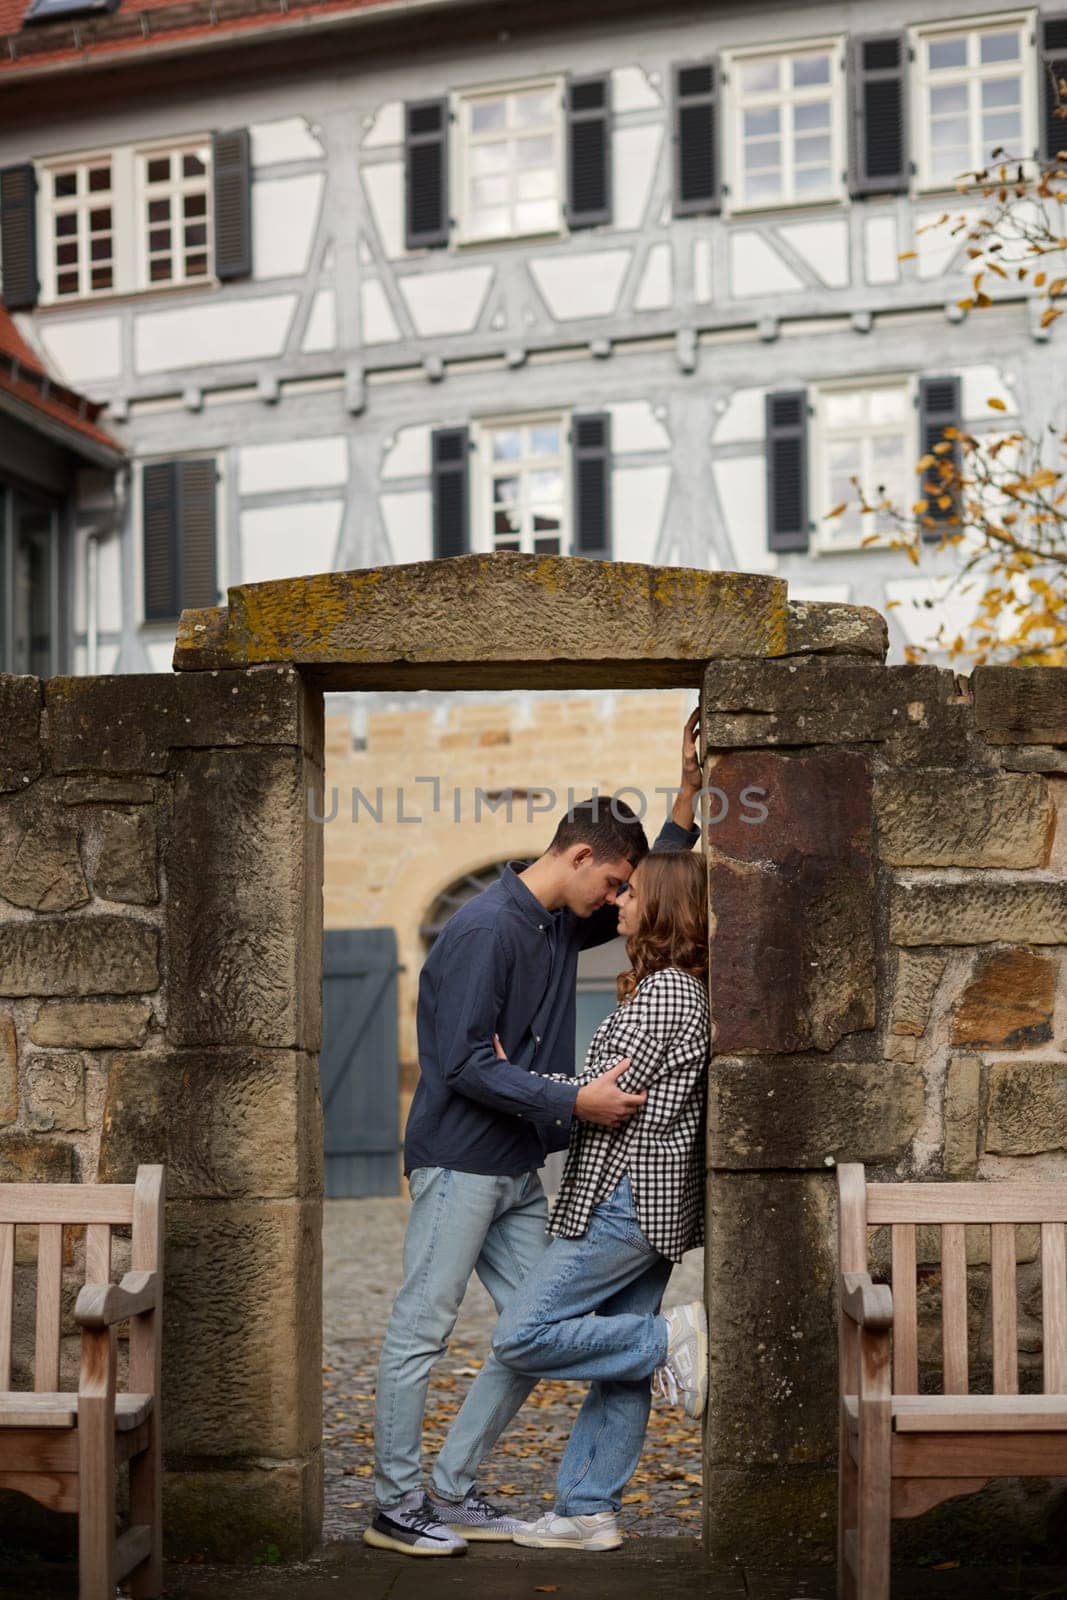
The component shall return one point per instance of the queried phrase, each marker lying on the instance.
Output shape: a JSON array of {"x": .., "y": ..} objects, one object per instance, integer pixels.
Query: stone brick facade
[
  {"x": 160, "y": 988},
  {"x": 888, "y": 985}
]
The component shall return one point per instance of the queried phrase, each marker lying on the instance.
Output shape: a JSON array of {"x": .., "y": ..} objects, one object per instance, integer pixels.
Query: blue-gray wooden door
[{"x": 359, "y": 1062}]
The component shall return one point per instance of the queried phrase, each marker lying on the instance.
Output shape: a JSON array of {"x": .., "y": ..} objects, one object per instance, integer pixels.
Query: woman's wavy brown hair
[{"x": 672, "y": 928}]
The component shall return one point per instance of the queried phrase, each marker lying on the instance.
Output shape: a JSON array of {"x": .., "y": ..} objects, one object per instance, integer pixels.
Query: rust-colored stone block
[
  {"x": 792, "y": 901},
  {"x": 1008, "y": 1002}
]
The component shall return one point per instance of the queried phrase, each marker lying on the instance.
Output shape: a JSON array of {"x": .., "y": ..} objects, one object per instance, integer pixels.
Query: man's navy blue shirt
[{"x": 502, "y": 964}]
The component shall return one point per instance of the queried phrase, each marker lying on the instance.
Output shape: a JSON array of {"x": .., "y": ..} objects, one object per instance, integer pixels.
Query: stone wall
[
  {"x": 888, "y": 986},
  {"x": 160, "y": 999}
]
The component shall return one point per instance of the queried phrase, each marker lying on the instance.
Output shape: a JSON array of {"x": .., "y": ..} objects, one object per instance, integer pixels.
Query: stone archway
[{"x": 191, "y": 999}]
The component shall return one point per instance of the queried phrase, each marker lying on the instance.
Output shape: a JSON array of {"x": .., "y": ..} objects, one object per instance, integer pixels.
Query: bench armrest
[
  {"x": 868, "y": 1304},
  {"x": 101, "y": 1305}
]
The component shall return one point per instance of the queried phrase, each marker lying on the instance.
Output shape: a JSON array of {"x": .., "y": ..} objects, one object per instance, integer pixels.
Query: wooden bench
[
  {"x": 902, "y": 1452},
  {"x": 63, "y": 1449}
]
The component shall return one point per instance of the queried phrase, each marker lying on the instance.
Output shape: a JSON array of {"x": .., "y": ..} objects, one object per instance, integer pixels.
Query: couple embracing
[{"x": 497, "y": 1094}]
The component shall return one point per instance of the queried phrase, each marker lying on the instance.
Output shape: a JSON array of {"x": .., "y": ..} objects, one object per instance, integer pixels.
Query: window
[
  {"x": 973, "y": 97},
  {"x": 123, "y": 220},
  {"x": 511, "y": 162},
  {"x": 786, "y": 138},
  {"x": 32, "y": 581},
  {"x": 525, "y": 499},
  {"x": 867, "y": 434},
  {"x": 175, "y": 215},
  {"x": 81, "y": 214}
]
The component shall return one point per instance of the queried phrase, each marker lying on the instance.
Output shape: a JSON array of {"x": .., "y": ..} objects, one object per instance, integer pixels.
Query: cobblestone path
[{"x": 362, "y": 1243}]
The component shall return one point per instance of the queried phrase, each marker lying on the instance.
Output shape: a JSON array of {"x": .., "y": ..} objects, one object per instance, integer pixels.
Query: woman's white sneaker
[
  {"x": 683, "y": 1377},
  {"x": 596, "y": 1531}
]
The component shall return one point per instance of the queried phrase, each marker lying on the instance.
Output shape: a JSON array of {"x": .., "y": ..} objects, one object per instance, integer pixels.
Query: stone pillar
[
  {"x": 160, "y": 1000},
  {"x": 883, "y": 900}
]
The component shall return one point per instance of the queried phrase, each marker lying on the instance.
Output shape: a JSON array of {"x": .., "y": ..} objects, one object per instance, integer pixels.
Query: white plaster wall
[
  {"x": 881, "y": 248},
  {"x": 210, "y": 335},
  {"x": 321, "y": 330},
  {"x": 702, "y": 282},
  {"x": 741, "y": 486},
  {"x": 107, "y": 656},
  {"x": 823, "y": 246},
  {"x": 742, "y": 418},
  {"x": 446, "y": 302},
  {"x": 979, "y": 385},
  {"x": 160, "y": 652},
  {"x": 635, "y": 426},
  {"x": 654, "y": 292},
  {"x": 109, "y": 584},
  {"x": 826, "y": 593},
  {"x": 635, "y": 156},
  {"x": 83, "y": 350},
  {"x": 757, "y": 269},
  {"x": 918, "y": 622},
  {"x": 288, "y": 139},
  {"x": 385, "y": 126},
  {"x": 383, "y": 184},
  {"x": 584, "y": 285},
  {"x": 638, "y": 501},
  {"x": 408, "y": 456},
  {"x": 936, "y": 247},
  {"x": 296, "y": 464},
  {"x": 632, "y": 91},
  {"x": 289, "y": 541},
  {"x": 379, "y": 323},
  {"x": 408, "y": 519},
  {"x": 285, "y": 213}
]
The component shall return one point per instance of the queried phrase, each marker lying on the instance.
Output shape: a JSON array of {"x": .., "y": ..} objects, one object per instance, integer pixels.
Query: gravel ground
[{"x": 362, "y": 1242}]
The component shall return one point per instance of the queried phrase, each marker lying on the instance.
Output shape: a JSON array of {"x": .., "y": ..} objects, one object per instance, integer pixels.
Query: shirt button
[
  {"x": 559, "y": 1122},
  {"x": 537, "y": 1037}
]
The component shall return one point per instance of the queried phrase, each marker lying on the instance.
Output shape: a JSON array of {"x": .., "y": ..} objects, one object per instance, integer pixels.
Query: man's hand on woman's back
[{"x": 604, "y": 1103}]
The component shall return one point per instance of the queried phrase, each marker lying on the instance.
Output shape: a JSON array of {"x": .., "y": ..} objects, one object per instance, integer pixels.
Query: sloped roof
[
  {"x": 154, "y": 27},
  {"x": 34, "y": 394}
]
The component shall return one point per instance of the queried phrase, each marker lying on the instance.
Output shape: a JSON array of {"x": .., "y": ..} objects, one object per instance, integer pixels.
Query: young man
[{"x": 477, "y": 1132}]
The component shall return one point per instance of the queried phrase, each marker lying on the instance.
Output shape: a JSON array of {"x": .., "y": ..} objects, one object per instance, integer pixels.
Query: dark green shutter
[
  {"x": 179, "y": 515},
  {"x": 787, "y": 469},
  {"x": 451, "y": 492},
  {"x": 18, "y": 235},
  {"x": 1053, "y": 60},
  {"x": 696, "y": 139},
  {"x": 878, "y": 100},
  {"x": 591, "y": 454},
  {"x": 939, "y": 408},
  {"x": 426, "y": 174},
  {"x": 588, "y": 152},
  {"x": 231, "y": 167}
]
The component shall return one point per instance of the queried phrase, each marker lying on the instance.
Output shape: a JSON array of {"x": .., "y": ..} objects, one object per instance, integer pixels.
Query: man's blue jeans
[
  {"x": 460, "y": 1223},
  {"x": 589, "y": 1310}
]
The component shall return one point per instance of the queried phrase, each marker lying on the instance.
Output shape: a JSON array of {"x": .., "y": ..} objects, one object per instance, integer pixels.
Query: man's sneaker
[
  {"x": 596, "y": 1531},
  {"x": 683, "y": 1377},
  {"x": 414, "y": 1528},
  {"x": 475, "y": 1518}
]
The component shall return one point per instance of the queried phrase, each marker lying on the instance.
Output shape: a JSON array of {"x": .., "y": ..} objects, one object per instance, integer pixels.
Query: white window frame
[
  {"x": 155, "y": 628},
  {"x": 175, "y": 192},
  {"x": 733, "y": 137},
  {"x": 482, "y": 535},
  {"x": 128, "y": 218},
  {"x": 826, "y": 541},
  {"x": 459, "y": 174},
  {"x": 919, "y": 37}
]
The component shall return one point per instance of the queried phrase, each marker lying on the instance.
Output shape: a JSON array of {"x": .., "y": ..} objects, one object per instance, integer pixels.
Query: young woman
[{"x": 630, "y": 1204}]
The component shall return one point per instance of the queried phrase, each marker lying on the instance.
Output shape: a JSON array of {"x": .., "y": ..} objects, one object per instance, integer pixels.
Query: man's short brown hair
[{"x": 608, "y": 826}]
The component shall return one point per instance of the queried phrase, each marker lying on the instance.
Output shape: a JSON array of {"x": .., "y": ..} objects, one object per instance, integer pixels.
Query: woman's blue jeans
[{"x": 589, "y": 1310}]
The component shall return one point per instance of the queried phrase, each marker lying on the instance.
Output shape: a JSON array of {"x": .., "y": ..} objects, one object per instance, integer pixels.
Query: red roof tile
[
  {"x": 24, "y": 378},
  {"x": 141, "y": 26}
]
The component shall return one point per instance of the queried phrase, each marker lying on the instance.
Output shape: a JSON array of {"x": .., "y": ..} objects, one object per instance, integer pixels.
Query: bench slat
[
  {"x": 954, "y": 1307},
  {"x": 973, "y": 1413},
  {"x": 49, "y": 1294},
  {"x": 1005, "y": 1309},
  {"x": 98, "y": 1253},
  {"x": 905, "y": 1311},
  {"x": 966, "y": 1202},
  {"x": 59, "y": 1410},
  {"x": 7, "y": 1299},
  {"x": 66, "y": 1202},
  {"x": 1054, "y": 1305}
]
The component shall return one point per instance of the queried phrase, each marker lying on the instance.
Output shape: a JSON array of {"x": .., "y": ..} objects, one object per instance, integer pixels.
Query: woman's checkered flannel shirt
[{"x": 664, "y": 1028}]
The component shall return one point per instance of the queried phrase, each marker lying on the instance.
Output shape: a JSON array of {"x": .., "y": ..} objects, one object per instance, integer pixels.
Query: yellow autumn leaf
[
  {"x": 1056, "y": 287},
  {"x": 996, "y": 405},
  {"x": 1050, "y": 316},
  {"x": 913, "y": 554},
  {"x": 836, "y": 512},
  {"x": 907, "y": 255}
]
